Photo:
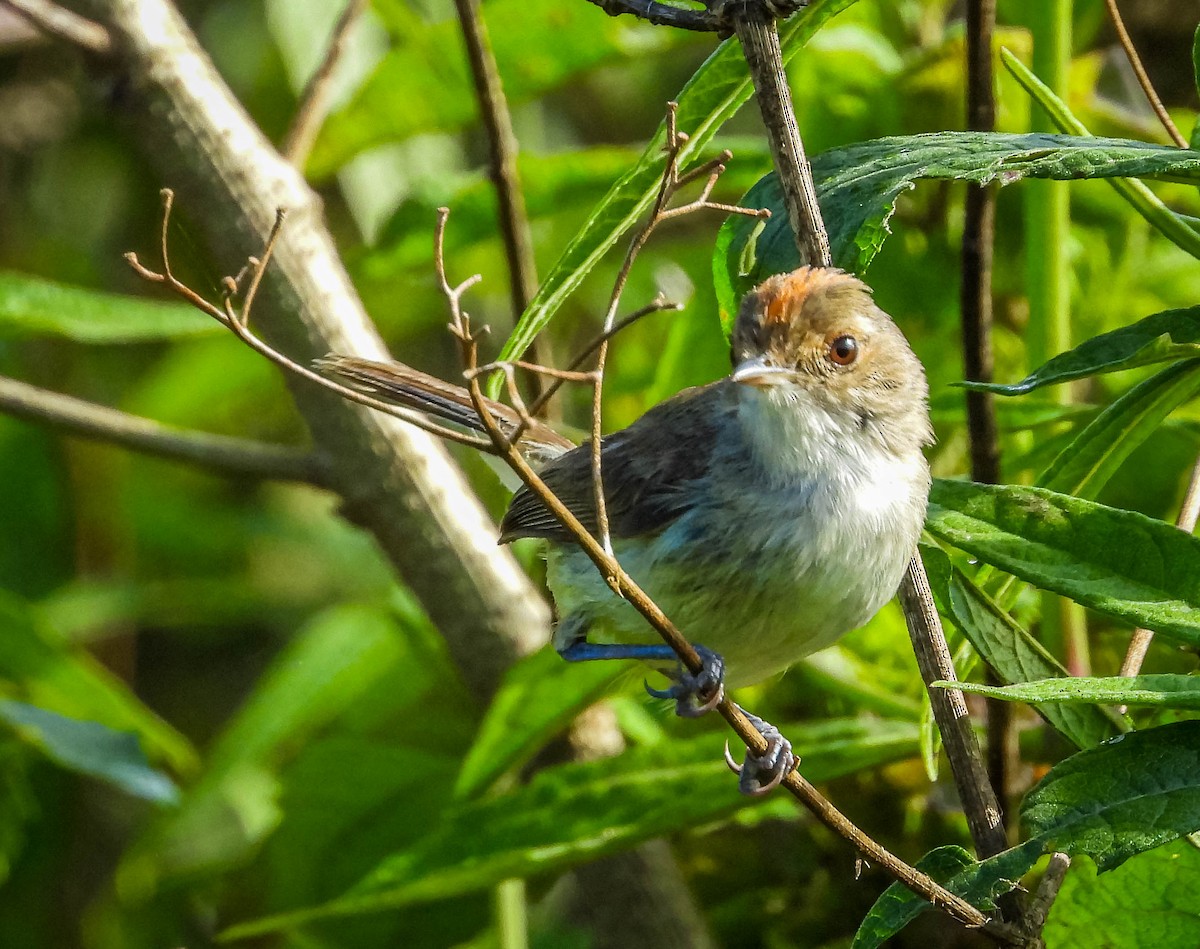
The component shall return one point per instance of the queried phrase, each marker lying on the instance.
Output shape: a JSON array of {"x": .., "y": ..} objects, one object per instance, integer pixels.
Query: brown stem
[
  {"x": 760, "y": 44},
  {"x": 314, "y": 100},
  {"x": 232, "y": 456},
  {"x": 60, "y": 22},
  {"x": 1143, "y": 79}
]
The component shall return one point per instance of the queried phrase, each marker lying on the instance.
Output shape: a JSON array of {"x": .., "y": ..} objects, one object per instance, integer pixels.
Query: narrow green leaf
[
  {"x": 1140, "y": 197},
  {"x": 92, "y": 749},
  {"x": 714, "y": 93},
  {"x": 1091, "y": 458},
  {"x": 1162, "y": 337},
  {"x": 858, "y": 185},
  {"x": 1120, "y": 563},
  {"x": 69, "y": 682},
  {"x": 31, "y": 306},
  {"x": 1131, "y": 794},
  {"x": 1161, "y": 691},
  {"x": 577, "y": 812},
  {"x": 538, "y": 698},
  {"x": 979, "y": 883},
  {"x": 1008, "y": 648},
  {"x": 1149, "y": 902}
]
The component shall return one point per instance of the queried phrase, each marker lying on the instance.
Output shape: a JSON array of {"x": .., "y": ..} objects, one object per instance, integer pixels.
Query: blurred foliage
[{"x": 219, "y": 708}]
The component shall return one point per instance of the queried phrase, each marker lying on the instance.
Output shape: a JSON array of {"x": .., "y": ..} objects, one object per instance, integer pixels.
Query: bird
[{"x": 767, "y": 513}]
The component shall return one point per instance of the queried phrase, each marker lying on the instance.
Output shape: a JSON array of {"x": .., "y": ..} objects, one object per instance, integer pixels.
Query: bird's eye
[{"x": 843, "y": 350}]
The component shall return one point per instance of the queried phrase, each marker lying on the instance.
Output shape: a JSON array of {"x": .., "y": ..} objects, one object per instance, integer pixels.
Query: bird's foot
[
  {"x": 759, "y": 774},
  {"x": 696, "y": 692}
]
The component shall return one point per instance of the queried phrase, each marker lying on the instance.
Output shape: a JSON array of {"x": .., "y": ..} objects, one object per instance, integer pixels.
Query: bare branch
[
  {"x": 314, "y": 100},
  {"x": 1143, "y": 79},
  {"x": 232, "y": 456},
  {"x": 1046, "y": 893},
  {"x": 62, "y": 23}
]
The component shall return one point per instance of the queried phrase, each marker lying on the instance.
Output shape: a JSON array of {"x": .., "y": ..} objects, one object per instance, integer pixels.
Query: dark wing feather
[{"x": 646, "y": 468}]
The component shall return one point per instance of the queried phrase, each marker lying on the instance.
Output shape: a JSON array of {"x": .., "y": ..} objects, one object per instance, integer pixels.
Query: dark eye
[{"x": 843, "y": 350}]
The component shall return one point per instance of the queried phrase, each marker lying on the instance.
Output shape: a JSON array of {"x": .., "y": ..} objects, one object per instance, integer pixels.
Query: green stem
[{"x": 509, "y": 913}]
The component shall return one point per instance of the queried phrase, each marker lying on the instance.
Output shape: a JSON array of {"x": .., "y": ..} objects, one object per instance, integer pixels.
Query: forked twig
[{"x": 237, "y": 320}]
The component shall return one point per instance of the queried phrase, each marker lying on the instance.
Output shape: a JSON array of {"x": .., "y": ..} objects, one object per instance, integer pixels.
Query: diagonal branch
[
  {"x": 58, "y": 21},
  {"x": 1135, "y": 61}
]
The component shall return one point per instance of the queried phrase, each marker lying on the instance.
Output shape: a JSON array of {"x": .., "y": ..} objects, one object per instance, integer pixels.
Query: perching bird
[{"x": 767, "y": 513}]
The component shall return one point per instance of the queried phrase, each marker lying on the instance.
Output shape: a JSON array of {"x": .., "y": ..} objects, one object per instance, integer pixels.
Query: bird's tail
[{"x": 402, "y": 385}]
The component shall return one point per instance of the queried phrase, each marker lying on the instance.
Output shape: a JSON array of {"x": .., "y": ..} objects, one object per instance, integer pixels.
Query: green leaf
[
  {"x": 858, "y": 185},
  {"x": 1149, "y": 902},
  {"x": 1131, "y": 794},
  {"x": 423, "y": 85},
  {"x": 92, "y": 749},
  {"x": 577, "y": 812},
  {"x": 1163, "y": 337},
  {"x": 714, "y": 93},
  {"x": 1161, "y": 691},
  {"x": 71, "y": 683},
  {"x": 1140, "y": 197},
  {"x": 1120, "y": 563},
  {"x": 538, "y": 698},
  {"x": 979, "y": 883},
  {"x": 1091, "y": 458},
  {"x": 30, "y": 306},
  {"x": 1012, "y": 653}
]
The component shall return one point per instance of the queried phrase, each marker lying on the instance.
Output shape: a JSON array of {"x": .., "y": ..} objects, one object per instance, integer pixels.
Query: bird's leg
[
  {"x": 694, "y": 692},
  {"x": 759, "y": 774}
]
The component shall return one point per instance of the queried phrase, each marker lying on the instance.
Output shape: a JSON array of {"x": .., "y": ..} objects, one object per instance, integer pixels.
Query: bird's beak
[{"x": 759, "y": 373}]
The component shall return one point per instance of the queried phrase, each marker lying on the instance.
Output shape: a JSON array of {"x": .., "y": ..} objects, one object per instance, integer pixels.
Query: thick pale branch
[{"x": 62, "y": 23}]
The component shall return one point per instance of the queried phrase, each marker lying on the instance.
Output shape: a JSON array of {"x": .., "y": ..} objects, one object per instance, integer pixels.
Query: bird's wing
[{"x": 646, "y": 470}]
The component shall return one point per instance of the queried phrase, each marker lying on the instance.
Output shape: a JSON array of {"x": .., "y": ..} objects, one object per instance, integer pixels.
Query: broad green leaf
[
  {"x": 1149, "y": 902},
  {"x": 1163, "y": 337},
  {"x": 979, "y": 883},
  {"x": 714, "y": 93},
  {"x": 1131, "y": 794},
  {"x": 423, "y": 84},
  {"x": 538, "y": 698},
  {"x": 577, "y": 812},
  {"x": 68, "y": 682},
  {"x": 857, "y": 187},
  {"x": 31, "y": 306},
  {"x": 1120, "y": 563},
  {"x": 1163, "y": 690},
  {"x": 1086, "y": 464},
  {"x": 1009, "y": 649},
  {"x": 90, "y": 748},
  {"x": 1140, "y": 197}
]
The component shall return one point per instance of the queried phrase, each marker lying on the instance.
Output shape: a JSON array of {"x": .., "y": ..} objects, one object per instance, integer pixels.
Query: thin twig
[
  {"x": 63, "y": 23},
  {"x": 237, "y": 321},
  {"x": 1047, "y": 891},
  {"x": 1143, "y": 79},
  {"x": 233, "y": 456},
  {"x": 314, "y": 100},
  {"x": 625, "y": 587},
  {"x": 1189, "y": 512}
]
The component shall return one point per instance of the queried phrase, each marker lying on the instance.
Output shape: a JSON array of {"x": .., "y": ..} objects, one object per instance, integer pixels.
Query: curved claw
[
  {"x": 696, "y": 693},
  {"x": 658, "y": 693},
  {"x": 760, "y": 774}
]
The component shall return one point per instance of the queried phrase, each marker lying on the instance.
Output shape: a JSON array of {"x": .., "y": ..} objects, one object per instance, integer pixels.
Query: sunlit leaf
[{"x": 1162, "y": 691}]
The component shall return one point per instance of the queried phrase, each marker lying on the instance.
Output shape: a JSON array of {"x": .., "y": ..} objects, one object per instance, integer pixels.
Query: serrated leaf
[
  {"x": 1090, "y": 459},
  {"x": 1162, "y": 337},
  {"x": 979, "y": 883},
  {"x": 538, "y": 697},
  {"x": 577, "y": 812},
  {"x": 31, "y": 306},
  {"x": 1131, "y": 794},
  {"x": 1161, "y": 691},
  {"x": 714, "y": 93},
  {"x": 1010, "y": 650},
  {"x": 1150, "y": 902},
  {"x": 857, "y": 187},
  {"x": 91, "y": 749},
  {"x": 1120, "y": 563}
]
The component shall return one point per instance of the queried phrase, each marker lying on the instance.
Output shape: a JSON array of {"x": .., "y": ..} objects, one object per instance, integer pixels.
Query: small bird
[{"x": 767, "y": 513}]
